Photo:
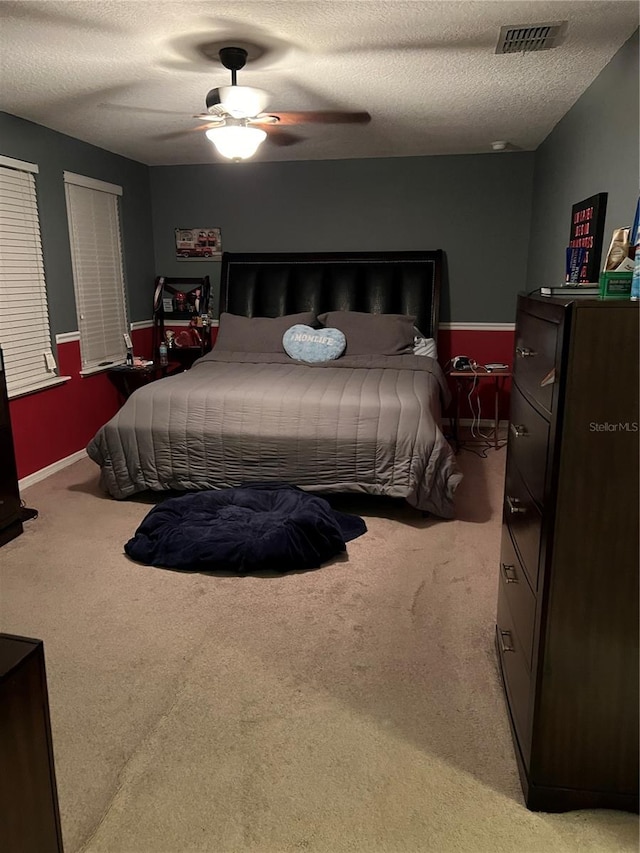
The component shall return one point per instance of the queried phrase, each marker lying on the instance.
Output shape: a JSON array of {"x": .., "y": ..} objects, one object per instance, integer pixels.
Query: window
[
  {"x": 96, "y": 254},
  {"x": 25, "y": 336}
]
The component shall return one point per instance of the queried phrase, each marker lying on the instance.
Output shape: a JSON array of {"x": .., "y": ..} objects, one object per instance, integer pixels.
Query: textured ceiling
[{"x": 129, "y": 76}]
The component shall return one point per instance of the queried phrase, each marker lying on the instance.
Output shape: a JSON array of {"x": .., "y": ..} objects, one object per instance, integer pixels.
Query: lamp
[
  {"x": 238, "y": 101},
  {"x": 236, "y": 141}
]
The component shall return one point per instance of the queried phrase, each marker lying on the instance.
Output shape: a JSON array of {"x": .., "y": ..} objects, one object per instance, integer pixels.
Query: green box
[{"x": 615, "y": 285}]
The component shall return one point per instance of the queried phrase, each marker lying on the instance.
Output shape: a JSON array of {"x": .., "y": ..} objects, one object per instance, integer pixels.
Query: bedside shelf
[
  {"x": 187, "y": 290},
  {"x": 128, "y": 379}
]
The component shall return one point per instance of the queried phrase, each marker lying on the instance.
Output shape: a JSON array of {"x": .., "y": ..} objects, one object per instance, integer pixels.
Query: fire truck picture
[{"x": 197, "y": 242}]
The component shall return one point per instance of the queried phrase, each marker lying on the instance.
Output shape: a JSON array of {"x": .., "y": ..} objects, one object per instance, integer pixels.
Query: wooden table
[
  {"x": 187, "y": 355},
  {"x": 127, "y": 379},
  {"x": 464, "y": 382}
]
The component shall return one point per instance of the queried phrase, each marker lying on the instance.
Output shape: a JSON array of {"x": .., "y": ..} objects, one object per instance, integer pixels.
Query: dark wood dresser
[
  {"x": 10, "y": 520},
  {"x": 567, "y": 622},
  {"x": 29, "y": 814}
]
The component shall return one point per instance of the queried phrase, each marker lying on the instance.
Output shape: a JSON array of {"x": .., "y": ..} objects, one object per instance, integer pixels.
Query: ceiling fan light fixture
[
  {"x": 236, "y": 142},
  {"x": 242, "y": 101}
]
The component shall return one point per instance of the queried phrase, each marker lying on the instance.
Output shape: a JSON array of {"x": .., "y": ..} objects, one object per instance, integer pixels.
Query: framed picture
[{"x": 198, "y": 244}]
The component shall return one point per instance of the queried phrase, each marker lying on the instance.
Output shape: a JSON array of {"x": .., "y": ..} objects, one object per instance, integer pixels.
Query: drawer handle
[
  {"x": 519, "y": 430},
  {"x": 525, "y": 352},
  {"x": 506, "y": 641},
  {"x": 514, "y": 507},
  {"x": 509, "y": 573}
]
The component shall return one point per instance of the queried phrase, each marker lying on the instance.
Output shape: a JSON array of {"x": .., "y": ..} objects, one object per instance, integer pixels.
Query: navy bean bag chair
[{"x": 255, "y": 527}]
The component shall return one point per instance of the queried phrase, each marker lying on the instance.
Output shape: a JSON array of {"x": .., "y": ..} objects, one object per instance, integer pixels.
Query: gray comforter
[{"x": 364, "y": 424}]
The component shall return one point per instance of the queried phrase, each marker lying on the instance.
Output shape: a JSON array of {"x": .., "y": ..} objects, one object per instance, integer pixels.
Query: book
[
  {"x": 587, "y": 231},
  {"x": 575, "y": 259},
  {"x": 571, "y": 290}
]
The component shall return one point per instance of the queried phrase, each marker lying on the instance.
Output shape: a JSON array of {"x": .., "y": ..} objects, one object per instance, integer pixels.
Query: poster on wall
[
  {"x": 587, "y": 231},
  {"x": 198, "y": 244}
]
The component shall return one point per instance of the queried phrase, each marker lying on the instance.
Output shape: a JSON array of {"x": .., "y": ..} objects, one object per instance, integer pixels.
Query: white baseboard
[
  {"x": 477, "y": 327},
  {"x": 43, "y": 473}
]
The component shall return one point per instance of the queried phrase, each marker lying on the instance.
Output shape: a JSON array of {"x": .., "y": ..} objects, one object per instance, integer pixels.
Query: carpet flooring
[{"x": 352, "y": 708}]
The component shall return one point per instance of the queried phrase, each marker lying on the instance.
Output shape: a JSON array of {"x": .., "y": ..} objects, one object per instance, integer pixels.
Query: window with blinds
[
  {"x": 25, "y": 336},
  {"x": 96, "y": 253}
]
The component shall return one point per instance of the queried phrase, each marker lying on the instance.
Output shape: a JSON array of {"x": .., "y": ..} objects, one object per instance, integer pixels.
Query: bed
[{"x": 366, "y": 422}]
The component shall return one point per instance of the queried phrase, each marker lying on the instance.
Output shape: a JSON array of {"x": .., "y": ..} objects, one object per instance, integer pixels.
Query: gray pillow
[
  {"x": 372, "y": 334},
  {"x": 257, "y": 334}
]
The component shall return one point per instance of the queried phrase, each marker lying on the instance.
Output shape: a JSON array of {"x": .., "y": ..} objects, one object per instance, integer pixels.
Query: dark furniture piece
[
  {"x": 466, "y": 381},
  {"x": 29, "y": 815},
  {"x": 10, "y": 518},
  {"x": 185, "y": 356},
  {"x": 127, "y": 379},
  {"x": 567, "y": 623},
  {"x": 190, "y": 299}
]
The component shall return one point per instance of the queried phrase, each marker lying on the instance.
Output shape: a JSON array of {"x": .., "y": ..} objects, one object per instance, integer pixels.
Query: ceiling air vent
[{"x": 527, "y": 37}]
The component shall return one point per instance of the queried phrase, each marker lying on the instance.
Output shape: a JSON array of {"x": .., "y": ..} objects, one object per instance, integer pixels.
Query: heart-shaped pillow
[{"x": 313, "y": 345}]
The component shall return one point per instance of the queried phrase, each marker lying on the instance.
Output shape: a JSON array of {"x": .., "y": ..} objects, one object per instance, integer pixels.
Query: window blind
[
  {"x": 25, "y": 335},
  {"x": 96, "y": 253}
]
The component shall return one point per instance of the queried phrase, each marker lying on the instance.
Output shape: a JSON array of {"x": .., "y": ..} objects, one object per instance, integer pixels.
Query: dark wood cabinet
[
  {"x": 10, "y": 519},
  {"x": 567, "y": 618},
  {"x": 128, "y": 379},
  {"x": 185, "y": 356},
  {"x": 29, "y": 814}
]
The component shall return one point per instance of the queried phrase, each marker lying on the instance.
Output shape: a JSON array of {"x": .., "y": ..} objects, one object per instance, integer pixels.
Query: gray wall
[
  {"x": 477, "y": 208},
  {"x": 593, "y": 149},
  {"x": 54, "y": 153}
]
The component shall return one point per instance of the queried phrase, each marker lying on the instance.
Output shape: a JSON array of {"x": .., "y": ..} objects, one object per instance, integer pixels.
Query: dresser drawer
[
  {"x": 515, "y": 672},
  {"x": 528, "y": 440},
  {"x": 520, "y": 599},
  {"x": 535, "y": 358},
  {"x": 524, "y": 521}
]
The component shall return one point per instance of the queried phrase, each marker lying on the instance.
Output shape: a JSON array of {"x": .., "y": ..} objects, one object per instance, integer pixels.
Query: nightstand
[
  {"x": 186, "y": 356},
  {"x": 464, "y": 384},
  {"x": 127, "y": 379}
]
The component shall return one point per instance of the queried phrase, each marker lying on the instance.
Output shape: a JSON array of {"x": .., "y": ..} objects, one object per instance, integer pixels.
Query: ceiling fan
[{"x": 236, "y": 119}]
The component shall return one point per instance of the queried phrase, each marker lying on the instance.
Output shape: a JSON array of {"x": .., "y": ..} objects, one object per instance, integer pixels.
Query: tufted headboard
[{"x": 270, "y": 285}]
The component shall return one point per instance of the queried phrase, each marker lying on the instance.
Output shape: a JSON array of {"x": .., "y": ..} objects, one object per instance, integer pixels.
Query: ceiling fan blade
[
  {"x": 180, "y": 134},
  {"x": 286, "y": 119},
  {"x": 212, "y": 119},
  {"x": 282, "y": 138}
]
